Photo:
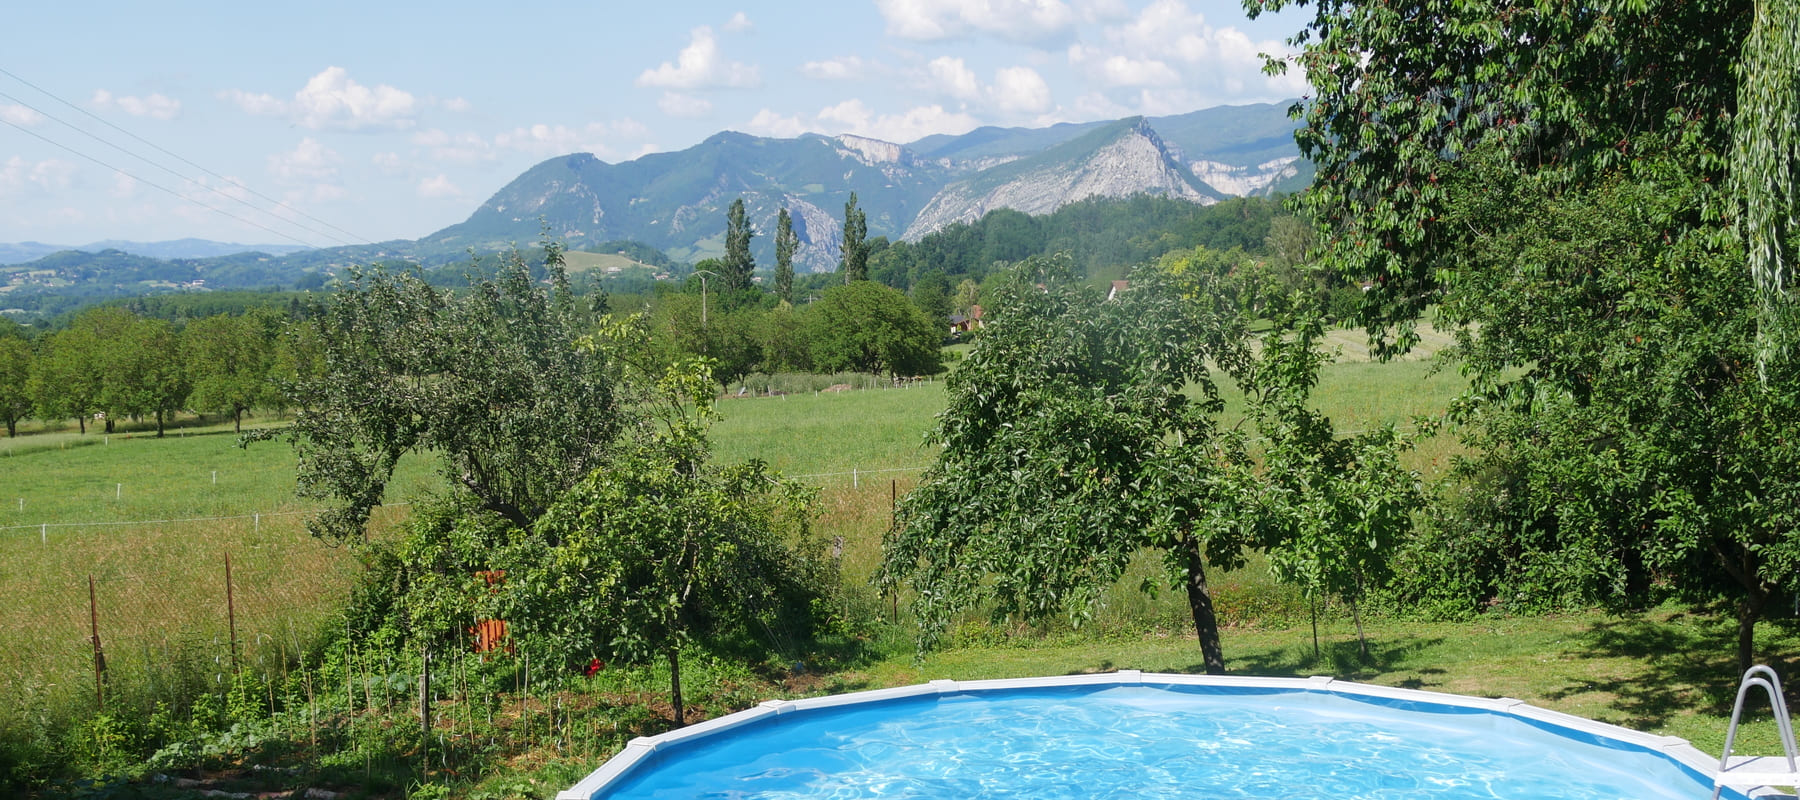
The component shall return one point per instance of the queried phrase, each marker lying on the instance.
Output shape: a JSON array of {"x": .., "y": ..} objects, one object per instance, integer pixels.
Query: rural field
[{"x": 152, "y": 521}]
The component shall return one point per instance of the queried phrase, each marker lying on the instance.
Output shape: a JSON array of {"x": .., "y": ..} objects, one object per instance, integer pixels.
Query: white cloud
[
  {"x": 855, "y": 117},
  {"x": 1168, "y": 29},
  {"x": 555, "y": 140},
  {"x": 331, "y": 99},
  {"x": 1175, "y": 61},
  {"x": 439, "y": 186},
  {"x": 700, "y": 65},
  {"x": 1017, "y": 20},
  {"x": 48, "y": 175},
  {"x": 773, "y": 125},
  {"x": 318, "y": 193},
  {"x": 1015, "y": 90},
  {"x": 389, "y": 163},
  {"x": 20, "y": 115},
  {"x": 836, "y": 69},
  {"x": 124, "y": 186},
  {"x": 739, "y": 22},
  {"x": 463, "y": 148},
  {"x": 1101, "y": 10},
  {"x": 954, "y": 78},
  {"x": 457, "y": 104},
  {"x": 548, "y": 140},
  {"x": 852, "y": 116},
  {"x": 677, "y": 104},
  {"x": 264, "y": 105},
  {"x": 308, "y": 161},
  {"x": 153, "y": 105},
  {"x": 604, "y": 139},
  {"x": 1021, "y": 90},
  {"x": 1124, "y": 71}
]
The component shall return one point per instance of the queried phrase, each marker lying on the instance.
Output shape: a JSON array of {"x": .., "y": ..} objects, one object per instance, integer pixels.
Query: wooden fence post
[
  {"x": 231, "y": 615},
  {"x": 99, "y": 655}
]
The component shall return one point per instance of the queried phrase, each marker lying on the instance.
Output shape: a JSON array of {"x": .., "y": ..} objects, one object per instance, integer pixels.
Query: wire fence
[
  {"x": 160, "y": 615},
  {"x": 130, "y": 613}
]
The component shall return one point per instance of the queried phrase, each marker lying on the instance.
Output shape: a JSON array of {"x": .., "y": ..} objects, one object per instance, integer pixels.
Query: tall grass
[
  {"x": 159, "y": 587},
  {"x": 151, "y": 521}
]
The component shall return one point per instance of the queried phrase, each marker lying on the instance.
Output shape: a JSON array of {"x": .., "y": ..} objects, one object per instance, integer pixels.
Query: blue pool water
[{"x": 1150, "y": 741}]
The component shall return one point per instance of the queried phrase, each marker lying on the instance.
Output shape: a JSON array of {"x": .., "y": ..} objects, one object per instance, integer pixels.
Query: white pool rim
[{"x": 640, "y": 750}]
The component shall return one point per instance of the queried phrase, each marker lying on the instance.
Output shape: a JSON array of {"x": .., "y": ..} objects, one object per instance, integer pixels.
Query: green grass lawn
[{"x": 1668, "y": 671}]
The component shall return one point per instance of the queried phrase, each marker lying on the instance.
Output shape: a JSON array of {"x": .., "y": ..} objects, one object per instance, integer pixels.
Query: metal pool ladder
[{"x": 1749, "y": 772}]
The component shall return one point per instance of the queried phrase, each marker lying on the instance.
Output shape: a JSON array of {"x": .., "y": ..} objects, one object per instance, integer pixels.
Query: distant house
[
  {"x": 1117, "y": 287},
  {"x": 965, "y": 324}
]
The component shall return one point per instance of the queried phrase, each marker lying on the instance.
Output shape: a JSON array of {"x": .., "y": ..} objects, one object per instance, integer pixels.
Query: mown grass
[
  {"x": 1666, "y": 671},
  {"x": 60, "y": 477}
]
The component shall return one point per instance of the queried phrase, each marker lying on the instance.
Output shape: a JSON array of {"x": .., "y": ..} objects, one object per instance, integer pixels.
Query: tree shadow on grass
[
  {"x": 1684, "y": 662},
  {"x": 1340, "y": 659}
]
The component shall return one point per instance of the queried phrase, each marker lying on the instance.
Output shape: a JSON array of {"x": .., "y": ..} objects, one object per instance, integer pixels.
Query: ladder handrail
[{"x": 1762, "y": 676}]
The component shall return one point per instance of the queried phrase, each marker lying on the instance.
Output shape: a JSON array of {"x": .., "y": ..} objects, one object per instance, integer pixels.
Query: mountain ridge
[
  {"x": 24, "y": 252},
  {"x": 676, "y": 201}
]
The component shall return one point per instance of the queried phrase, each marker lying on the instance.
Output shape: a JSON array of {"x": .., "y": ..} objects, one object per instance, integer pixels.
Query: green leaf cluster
[{"x": 489, "y": 379}]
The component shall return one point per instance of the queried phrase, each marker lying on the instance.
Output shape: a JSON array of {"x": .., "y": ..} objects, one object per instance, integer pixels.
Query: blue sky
[{"x": 329, "y": 122}]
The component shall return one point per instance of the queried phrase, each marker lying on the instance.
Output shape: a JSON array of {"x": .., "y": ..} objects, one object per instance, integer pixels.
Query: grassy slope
[{"x": 583, "y": 261}]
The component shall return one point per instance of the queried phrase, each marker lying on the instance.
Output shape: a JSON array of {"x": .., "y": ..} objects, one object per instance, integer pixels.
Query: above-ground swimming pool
[{"x": 1132, "y": 735}]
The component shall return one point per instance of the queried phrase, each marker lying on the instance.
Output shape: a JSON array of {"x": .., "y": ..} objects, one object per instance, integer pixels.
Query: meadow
[
  {"x": 128, "y": 535},
  {"x": 152, "y": 521},
  {"x": 145, "y": 519}
]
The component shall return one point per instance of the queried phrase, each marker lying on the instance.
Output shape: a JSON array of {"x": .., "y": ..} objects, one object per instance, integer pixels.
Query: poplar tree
[
  {"x": 738, "y": 264},
  {"x": 786, "y": 243},
  {"x": 855, "y": 265}
]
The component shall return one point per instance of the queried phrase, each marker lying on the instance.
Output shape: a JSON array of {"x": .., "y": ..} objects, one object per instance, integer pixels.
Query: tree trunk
[
  {"x": 1748, "y": 612},
  {"x": 1312, "y": 605},
  {"x": 159, "y": 424},
  {"x": 1362, "y": 639},
  {"x": 1206, "y": 623},
  {"x": 237, "y": 418},
  {"x": 1743, "y": 566},
  {"x": 81, "y": 421},
  {"x": 675, "y": 686},
  {"x": 12, "y": 429}
]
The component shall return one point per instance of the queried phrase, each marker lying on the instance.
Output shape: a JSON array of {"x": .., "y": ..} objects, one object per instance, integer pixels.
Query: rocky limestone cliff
[
  {"x": 1116, "y": 162},
  {"x": 820, "y": 236},
  {"x": 1245, "y": 181},
  {"x": 872, "y": 151}
]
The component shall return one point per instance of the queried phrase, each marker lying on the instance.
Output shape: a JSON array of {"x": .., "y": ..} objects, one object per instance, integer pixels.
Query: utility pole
[{"x": 703, "y": 273}]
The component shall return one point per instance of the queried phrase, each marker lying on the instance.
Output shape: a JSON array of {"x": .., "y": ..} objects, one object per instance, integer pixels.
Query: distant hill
[
  {"x": 677, "y": 201},
  {"x": 21, "y": 252},
  {"x": 668, "y": 208}
]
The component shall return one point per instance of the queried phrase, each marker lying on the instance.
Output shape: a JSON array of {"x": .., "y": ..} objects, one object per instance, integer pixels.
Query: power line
[
  {"x": 154, "y": 185},
  {"x": 214, "y": 189},
  {"x": 177, "y": 157}
]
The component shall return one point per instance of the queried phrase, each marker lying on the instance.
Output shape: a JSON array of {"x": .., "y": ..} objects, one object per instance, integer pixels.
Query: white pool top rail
[{"x": 643, "y": 748}]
